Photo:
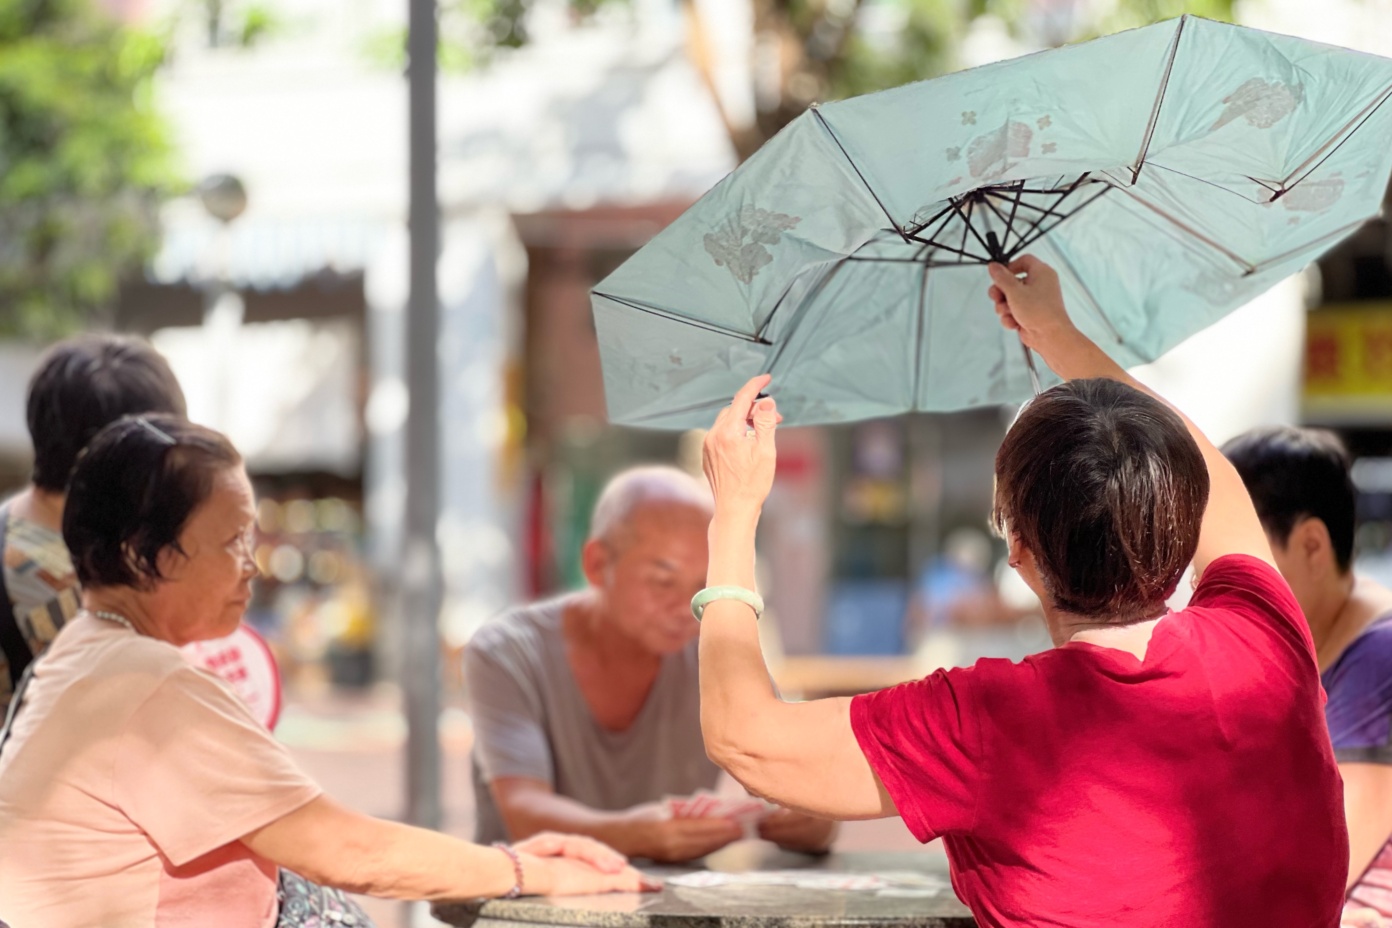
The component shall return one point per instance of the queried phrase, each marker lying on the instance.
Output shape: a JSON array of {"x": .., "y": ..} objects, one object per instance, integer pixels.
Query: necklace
[{"x": 114, "y": 617}]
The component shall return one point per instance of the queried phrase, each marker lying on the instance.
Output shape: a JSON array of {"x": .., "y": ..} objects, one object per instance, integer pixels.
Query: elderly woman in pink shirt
[{"x": 136, "y": 790}]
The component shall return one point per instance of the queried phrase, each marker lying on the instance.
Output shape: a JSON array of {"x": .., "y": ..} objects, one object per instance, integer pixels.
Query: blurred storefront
[{"x": 1348, "y": 379}]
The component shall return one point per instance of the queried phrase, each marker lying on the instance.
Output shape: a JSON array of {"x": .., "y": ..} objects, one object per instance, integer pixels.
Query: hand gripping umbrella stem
[{"x": 998, "y": 255}]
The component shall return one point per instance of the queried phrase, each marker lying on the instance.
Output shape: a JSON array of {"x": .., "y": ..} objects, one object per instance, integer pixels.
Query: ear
[
  {"x": 170, "y": 562},
  {"x": 1309, "y": 540},
  {"x": 1016, "y": 551},
  {"x": 596, "y": 558}
]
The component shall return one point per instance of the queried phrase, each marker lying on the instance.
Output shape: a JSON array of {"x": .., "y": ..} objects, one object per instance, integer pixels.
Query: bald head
[{"x": 638, "y": 490}]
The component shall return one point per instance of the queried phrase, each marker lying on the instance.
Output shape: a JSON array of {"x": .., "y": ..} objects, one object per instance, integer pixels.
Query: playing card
[{"x": 704, "y": 804}]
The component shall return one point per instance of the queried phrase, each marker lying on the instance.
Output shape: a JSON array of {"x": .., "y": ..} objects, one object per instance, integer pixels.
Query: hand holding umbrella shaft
[{"x": 1029, "y": 301}]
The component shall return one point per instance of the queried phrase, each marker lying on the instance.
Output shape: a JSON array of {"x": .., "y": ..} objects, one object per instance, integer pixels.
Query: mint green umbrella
[{"x": 1170, "y": 174}]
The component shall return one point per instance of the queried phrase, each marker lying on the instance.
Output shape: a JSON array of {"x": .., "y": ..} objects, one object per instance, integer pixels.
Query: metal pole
[{"x": 421, "y": 563}]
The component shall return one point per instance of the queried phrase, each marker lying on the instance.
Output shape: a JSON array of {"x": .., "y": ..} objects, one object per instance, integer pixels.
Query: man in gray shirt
[{"x": 586, "y": 707}]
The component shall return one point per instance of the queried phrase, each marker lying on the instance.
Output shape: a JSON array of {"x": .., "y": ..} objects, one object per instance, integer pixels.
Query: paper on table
[{"x": 889, "y": 883}]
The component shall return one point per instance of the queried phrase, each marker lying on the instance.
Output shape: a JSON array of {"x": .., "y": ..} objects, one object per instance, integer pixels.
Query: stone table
[{"x": 913, "y": 893}]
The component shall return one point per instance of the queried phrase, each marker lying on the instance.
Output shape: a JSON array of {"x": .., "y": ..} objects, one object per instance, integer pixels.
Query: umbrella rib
[
  {"x": 693, "y": 407},
  {"x": 946, "y": 216},
  {"x": 1043, "y": 232},
  {"x": 1210, "y": 183},
  {"x": 1014, "y": 208},
  {"x": 1247, "y": 266},
  {"x": 966, "y": 225},
  {"x": 684, "y": 320},
  {"x": 986, "y": 202},
  {"x": 1048, "y": 211},
  {"x": 1159, "y": 101},
  {"x": 816, "y": 291},
  {"x": 1052, "y": 210},
  {"x": 1346, "y": 132},
  {"x": 816, "y": 111},
  {"x": 956, "y": 251},
  {"x": 966, "y": 217},
  {"x": 1342, "y": 230},
  {"x": 934, "y": 218},
  {"x": 1061, "y": 258},
  {"x": 922, "y": 325}
]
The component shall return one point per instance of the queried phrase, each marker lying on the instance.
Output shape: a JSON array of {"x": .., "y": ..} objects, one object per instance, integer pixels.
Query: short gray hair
[{"x": 630, "y": 490}]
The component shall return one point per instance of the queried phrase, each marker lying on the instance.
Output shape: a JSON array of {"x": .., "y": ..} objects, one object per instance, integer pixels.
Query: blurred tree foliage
[
  {"x": 831, "y": 49},
  {"x": 84, "y": 162}
]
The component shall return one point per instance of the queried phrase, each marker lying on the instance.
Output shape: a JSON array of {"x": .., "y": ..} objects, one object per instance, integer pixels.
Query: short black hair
[
  {"x": 83, "y": 384},
  {"x": 1106, "y": 488},
  {"x": 131, "y": 493},
  {"x": 1293, "y": 474}
]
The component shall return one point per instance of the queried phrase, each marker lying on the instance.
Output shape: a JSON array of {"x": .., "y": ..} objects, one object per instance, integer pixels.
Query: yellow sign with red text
[{"x": 1348, "y": 363}]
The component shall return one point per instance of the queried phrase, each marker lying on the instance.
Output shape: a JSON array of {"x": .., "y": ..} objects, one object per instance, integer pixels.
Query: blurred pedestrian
[
  {"x": 136, "y": 790},
  {"x": 586, "y": 707},
  {"x": 81, "y": 385},
  {"x": 1301, "y": 486},
  {"x": 1154, "y": 767}
]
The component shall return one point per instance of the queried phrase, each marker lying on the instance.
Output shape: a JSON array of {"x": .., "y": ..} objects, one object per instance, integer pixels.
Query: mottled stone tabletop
[{"x": 896, "y": 890}]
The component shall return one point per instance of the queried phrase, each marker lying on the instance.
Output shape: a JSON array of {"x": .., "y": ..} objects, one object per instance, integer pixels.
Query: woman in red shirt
[{"x": 1154, "y": 767}]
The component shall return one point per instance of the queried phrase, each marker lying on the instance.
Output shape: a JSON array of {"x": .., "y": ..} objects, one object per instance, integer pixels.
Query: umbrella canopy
[{"x": 1170, "y": 174}]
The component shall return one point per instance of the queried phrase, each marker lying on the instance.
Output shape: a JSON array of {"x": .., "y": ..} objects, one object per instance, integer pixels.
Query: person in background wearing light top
[
  {"x": 586, "y": 710},
  {"x": 136, "y": 790},
  {"x": 1154, "y": 768},
  {"x": 1300, "y": 483},
  {"x": 80, "y": 385}
]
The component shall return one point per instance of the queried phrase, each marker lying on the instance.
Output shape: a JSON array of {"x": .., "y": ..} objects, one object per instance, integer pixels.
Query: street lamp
[{"x": 224, "y": 196}]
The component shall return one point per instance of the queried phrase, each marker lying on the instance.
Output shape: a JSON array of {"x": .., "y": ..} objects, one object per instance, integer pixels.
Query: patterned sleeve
[{"x": 1359, "y": 687}]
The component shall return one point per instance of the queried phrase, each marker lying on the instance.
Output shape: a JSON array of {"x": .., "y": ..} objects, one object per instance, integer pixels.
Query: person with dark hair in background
[
  {"x": 1154, "y": 768},
  {"x": 81, "y": 385},
  {"x": 137, "y": 790},
  {"x": 1300, "y": 484}
]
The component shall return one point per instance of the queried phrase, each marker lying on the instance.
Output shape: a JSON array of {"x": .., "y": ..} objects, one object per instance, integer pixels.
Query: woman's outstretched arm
[
  {"x": 331, "y": 844},
  {"x": 802, "y": 755}
]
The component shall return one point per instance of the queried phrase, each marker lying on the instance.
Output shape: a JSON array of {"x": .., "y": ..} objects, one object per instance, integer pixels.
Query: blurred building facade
[{"x": 557, "y": 161}]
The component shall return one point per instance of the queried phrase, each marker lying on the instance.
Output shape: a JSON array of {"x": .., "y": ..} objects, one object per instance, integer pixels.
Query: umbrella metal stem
[
  {"x": 993, "y": 245},
  {"x": 1029, "y": 362}
]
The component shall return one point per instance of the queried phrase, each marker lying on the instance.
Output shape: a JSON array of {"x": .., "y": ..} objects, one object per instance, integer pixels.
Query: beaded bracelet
[{"x": 516, "y": 870}]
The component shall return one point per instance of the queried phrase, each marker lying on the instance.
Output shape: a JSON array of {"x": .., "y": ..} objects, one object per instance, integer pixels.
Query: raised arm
[
  {"x": 802, "y": 755},
  {"x": 1029, "y": 301}
]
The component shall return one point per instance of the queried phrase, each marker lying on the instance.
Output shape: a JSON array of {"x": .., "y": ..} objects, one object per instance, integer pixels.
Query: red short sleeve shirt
[{"x": 1083, "y": 787}]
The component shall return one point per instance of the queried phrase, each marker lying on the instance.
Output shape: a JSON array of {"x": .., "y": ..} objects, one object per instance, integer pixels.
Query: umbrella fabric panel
[
  {"x": 962, "y": 333},
  {"x": 731, "y": 257},
  {"x": 1063, "y": 112},
  {"x": 1251, "y": 110},
  {"x": 849, "y": 350},
  {"x": 1255, "y": 229},
  {"x": 840, "y": 354},
  {"x": 664, "y": 373},
  {"x": 1138, "y": 286}
]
